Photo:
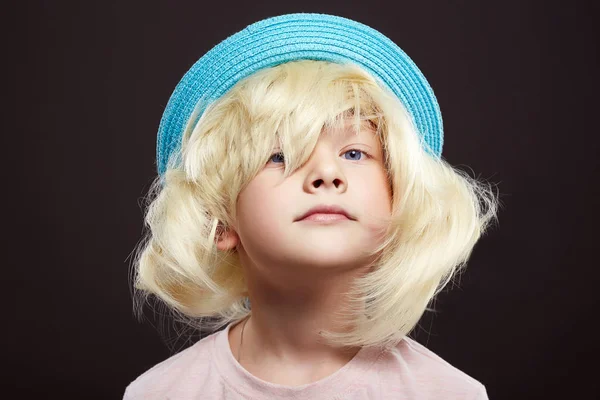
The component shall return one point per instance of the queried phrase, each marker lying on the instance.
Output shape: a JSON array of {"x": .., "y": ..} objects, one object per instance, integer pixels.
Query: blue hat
[{"x": 291, "y": 37}]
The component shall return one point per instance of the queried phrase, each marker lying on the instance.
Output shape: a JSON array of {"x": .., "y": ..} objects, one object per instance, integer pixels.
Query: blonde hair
[{"x": 438, "y": 212}]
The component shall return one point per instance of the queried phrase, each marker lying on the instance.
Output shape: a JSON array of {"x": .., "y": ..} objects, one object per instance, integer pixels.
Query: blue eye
[
  {"x": 354, "y": 153},
  {"x": 277, "y": 156}
]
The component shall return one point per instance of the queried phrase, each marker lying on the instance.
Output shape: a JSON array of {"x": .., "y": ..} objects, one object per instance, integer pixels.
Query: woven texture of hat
[{"x": 292, "y": 37}]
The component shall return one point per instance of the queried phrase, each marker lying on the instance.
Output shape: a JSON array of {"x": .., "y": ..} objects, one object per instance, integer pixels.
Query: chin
[{"x": 332, "y": 258}]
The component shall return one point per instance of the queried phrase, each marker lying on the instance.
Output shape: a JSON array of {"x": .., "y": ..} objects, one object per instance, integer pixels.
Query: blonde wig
[{"x": 438, "y": 212}]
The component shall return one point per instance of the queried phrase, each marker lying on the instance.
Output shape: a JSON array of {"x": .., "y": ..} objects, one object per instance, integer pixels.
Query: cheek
[
  {"x": 376, "y": 194},
  {"x": 248, "y": 205},
  {"x": 259, "y": 209},
  {"x": 381, "y": 210}
]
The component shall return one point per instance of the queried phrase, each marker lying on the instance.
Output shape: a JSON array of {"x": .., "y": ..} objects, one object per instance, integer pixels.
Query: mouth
[
  {"x": 320, "y": 217},
  {"x": 326, "y": 213}
]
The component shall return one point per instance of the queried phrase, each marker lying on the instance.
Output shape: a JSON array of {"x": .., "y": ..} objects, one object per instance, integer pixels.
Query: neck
[{"x": 285, "y": 323}]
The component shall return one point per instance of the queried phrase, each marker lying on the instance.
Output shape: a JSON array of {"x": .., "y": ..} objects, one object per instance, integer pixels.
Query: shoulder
[
  {"x": 427, "y": 375},
  {"x": 176, "y": 371}
]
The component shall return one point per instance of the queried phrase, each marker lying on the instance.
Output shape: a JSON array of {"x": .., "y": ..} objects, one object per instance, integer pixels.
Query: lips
[{"x": 331, "y": 210}]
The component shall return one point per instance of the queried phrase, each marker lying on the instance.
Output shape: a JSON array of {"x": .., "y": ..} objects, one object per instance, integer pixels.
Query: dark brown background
[{"x": 87, "y": 82}]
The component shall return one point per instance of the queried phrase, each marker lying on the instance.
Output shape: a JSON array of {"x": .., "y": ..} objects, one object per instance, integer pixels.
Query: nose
[{"x": 324, "y": 172}]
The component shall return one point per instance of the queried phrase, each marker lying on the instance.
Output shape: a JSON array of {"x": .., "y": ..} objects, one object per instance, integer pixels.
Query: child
[{"x": 303, "y": 204}]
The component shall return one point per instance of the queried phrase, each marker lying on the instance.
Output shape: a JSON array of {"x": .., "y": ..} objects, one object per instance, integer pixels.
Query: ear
[{"x": 226, "y": 239}]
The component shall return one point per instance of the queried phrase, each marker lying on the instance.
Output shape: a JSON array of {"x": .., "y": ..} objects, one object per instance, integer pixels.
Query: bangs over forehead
[{"x": 290, "y": 105}]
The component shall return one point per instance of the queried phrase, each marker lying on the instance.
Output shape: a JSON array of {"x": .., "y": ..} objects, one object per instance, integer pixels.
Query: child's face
[{"x": 268, "y": 231}]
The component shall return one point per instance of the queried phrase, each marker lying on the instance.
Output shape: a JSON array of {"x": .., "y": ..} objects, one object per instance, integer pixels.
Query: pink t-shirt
[{"x": 208, "y": 370}]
